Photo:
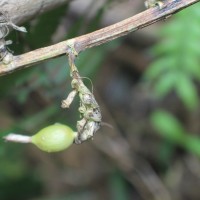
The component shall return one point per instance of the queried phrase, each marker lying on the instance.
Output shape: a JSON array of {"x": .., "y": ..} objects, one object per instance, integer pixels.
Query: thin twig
[{"x": 98, "y": 37}]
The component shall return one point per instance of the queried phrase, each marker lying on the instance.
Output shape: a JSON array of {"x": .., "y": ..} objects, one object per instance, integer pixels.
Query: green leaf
[
  {"x": 187, "y": 92},
  {"x": 165, "y": 84},
  {"x": 168, "y": 126},
  {"x": 160, "y": 66},
  {"x": 191, "y": 67},
  {"x": 118, "y": 187},
  {"x": 166, "y": 47},
  {"x": 192, "y": 143}
]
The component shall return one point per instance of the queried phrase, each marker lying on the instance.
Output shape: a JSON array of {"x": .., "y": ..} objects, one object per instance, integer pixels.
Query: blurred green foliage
[
  {"x": 118, "y": 187},
  {"x": 176, "y": 66},
  {"x": 176, "y": 69},
  {"x": 170, "y": 128}
]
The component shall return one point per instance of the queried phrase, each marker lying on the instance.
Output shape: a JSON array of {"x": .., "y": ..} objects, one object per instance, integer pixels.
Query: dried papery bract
[
  {"x": 6, "y": 21},
  {"x": 67, "y": 102},
  {"x": 89, "y": 109},
  {"x": 5, "y": 55}
]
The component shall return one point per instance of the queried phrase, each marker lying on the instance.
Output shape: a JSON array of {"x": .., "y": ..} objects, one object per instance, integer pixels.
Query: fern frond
[{"x": 178, "y": 58}]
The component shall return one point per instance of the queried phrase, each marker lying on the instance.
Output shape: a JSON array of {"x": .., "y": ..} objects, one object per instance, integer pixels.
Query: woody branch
[{"x": 98, "y": 37}]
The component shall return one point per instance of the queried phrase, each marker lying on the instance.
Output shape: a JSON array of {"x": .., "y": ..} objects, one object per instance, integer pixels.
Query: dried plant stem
[
  {"x": 98, "y": 37},
  {"x": 89, "y": 109}
]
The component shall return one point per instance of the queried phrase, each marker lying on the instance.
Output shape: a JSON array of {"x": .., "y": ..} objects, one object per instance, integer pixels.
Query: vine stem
[{"x": 98, "y": 37}]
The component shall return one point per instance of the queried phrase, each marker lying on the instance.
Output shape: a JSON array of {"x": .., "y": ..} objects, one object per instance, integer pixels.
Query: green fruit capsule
[{"x": 54, "y": 138}]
